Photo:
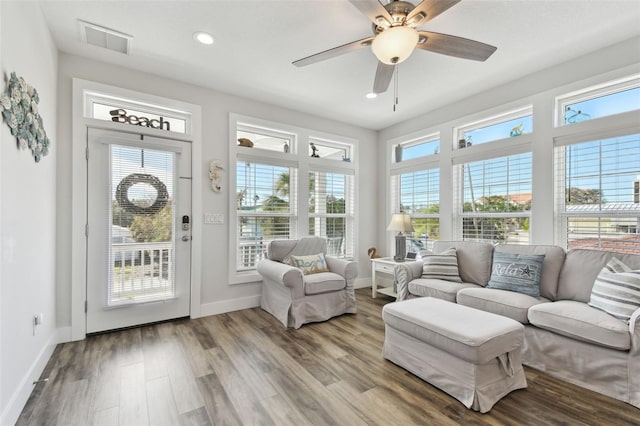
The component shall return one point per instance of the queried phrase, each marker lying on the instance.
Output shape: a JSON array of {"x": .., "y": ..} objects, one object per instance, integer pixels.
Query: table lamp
[{"x": 401, "y": 223}]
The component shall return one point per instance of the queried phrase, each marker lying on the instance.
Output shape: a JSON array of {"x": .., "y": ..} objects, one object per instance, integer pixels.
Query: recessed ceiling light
[
  {"x": 202, "y": 37},
  {"x": 372, "y": 95}
]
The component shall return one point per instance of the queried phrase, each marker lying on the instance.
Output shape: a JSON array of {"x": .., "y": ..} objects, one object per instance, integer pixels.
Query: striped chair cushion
[
  {"x": 443, "y": 266},
  {"x": 616, "y": 290}
]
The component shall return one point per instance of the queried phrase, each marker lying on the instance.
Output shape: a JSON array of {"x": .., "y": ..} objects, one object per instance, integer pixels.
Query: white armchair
[{"x": 296, "y": 299}]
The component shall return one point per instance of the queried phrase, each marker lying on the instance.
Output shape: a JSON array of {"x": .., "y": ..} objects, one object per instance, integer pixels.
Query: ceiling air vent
[{"x": 105, "y": 37}]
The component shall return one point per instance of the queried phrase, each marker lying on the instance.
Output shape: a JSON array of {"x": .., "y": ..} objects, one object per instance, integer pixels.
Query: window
[
  {"x": 495, "y": 200},
  {"x": 265, "y": 209},
  {"x": 282, "y": 191},
  {"x": 130, "y": 112},
  {"x": 418, "y": 194},
  {"x": 422, "y": 147},
  {"x": 600, "y": 101},
  {"x": 511, "y": 124},
  {"x": 331, "y": 206},
  {"x": 319, "y": 148},
  {"x": 267, "y": 139},
  {"x": 598, "y": 194}
]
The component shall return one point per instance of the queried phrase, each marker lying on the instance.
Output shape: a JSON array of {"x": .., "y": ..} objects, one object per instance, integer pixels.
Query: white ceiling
[{"x": 256, "y": 41}]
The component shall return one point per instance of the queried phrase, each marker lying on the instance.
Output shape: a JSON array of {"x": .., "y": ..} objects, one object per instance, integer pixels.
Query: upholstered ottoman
[{"x": 472, "y": 355}]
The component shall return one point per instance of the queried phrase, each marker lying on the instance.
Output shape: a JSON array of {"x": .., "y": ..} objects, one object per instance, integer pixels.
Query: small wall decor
[
  {"x": 373, "y": 253},
  {"x": 215, "y": 175},
  {"x": 517, "y": 131},
  {"x": 314, "y": 150},
  {"x": 20, "y": 112},
  {"x": 398, "y": 153}
]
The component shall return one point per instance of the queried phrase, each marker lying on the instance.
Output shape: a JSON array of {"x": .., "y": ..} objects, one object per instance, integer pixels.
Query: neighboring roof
[{"x": 605, "y": 208}]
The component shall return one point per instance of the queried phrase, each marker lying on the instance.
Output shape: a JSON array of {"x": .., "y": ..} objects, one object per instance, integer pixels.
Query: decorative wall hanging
[
  {"x": 122, "y": 194},
  {"x": 20, "y": 111},
  {"x": 215, "y": 175}
]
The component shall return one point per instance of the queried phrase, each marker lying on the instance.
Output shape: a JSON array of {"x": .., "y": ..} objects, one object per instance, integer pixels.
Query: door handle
[{"x": 185, "y": 238}]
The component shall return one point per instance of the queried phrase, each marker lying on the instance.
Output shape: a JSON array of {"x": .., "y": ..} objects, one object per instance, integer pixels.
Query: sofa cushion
[
  {"x": 553, "y": 260},
  {"x": 501, "y": 302},
  {"x": 616, "y": 290},
  {"x": 440, "y": 289},
  {"x": 519, "y": 273},
  {"x": 582, "y": 322},
  {"x": 580, "y": 269},
  {"x": 311, "y": 264},
  {"x": 474, "y": 259},
  {"x": 323, "y": 282},
  {"x": 443, "y": 266}
]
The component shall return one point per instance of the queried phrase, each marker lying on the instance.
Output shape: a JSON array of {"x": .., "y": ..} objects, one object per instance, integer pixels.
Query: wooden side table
[{"x": 383, "y": 265}]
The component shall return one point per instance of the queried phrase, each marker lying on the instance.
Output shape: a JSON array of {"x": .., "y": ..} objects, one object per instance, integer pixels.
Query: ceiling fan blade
[
  {"x": 374, "y": 10},
  {"x": 427, "y": 10},
  {"x": 332, "y": 53},
  {"x": 454, "y": 46},
  {"x": 383, "y": 77}
]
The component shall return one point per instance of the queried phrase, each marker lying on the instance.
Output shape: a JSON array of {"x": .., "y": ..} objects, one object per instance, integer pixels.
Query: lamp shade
[
  {"x": 400, "y": 222},
  {"x": 394, "y": 44}
]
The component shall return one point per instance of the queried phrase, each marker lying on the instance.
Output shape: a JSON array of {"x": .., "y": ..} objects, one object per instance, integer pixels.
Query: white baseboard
[
  {"x": 229, "y": 305},
  {"x": 362, "y": 282},
  {"x": 21, "y": 395}
]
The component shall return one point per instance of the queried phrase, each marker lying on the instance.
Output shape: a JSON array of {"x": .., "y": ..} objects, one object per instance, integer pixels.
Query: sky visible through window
[
  {"x": 603, "y": 106},
  {"x": 506, "y": 129},
  {"x": 421, "y": 150}
]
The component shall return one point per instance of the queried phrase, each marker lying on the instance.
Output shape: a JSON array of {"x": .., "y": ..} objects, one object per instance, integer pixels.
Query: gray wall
[
  {"x": 216, "y": 107},
  {"x": 28, "y": 213}
]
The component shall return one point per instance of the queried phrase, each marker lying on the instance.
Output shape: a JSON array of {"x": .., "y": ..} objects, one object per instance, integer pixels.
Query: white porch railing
[{"x": 140, "y": 272}]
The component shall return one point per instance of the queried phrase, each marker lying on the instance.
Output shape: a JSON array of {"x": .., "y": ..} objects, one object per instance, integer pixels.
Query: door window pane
[{"x": 141, "y": 248}]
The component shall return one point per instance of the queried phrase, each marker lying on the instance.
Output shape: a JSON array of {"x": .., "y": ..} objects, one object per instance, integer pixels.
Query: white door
[{"x": 138, "y": 246}]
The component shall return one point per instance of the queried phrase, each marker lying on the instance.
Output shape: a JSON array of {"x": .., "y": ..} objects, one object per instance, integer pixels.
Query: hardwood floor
[{"x": 245, "y": 368}]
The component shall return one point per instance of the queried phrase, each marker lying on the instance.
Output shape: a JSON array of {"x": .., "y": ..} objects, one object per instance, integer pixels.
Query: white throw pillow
[
  {"x": 616, "y": 290},
  {"x": 443, "y": 266}
]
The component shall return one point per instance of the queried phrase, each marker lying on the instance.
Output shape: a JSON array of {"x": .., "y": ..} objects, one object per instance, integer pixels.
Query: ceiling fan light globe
[{"x": 394, "y": 44}]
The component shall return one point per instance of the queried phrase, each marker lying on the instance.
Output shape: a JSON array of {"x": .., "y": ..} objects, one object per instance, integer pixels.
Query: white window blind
[
  {"x": 266, "y": 208},
  {"x": 331, "y": 211},
  {"x": 141, "y": 243},
  {"x": 598, "y": 194},
  {"x": 418, "y": 194},
  {"x": 495, "y": 199}
]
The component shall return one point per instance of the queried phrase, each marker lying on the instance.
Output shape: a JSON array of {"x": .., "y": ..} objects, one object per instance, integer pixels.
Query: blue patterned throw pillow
[
  {"x": 310, "y": 264},
  {"x": 517, "y": 272}
]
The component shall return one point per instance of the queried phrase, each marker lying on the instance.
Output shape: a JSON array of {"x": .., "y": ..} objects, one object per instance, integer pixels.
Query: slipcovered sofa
[
  {"x": 296, "y": 298},
  {"x": 564, "y": 336}
]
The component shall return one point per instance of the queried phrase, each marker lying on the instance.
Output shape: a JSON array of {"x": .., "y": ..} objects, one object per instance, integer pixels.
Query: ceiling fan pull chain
[{"x": 395, "y": 87}]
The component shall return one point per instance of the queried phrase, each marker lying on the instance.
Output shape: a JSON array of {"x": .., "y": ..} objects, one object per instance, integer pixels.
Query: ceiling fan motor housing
[{"x": 398, "y": 11}]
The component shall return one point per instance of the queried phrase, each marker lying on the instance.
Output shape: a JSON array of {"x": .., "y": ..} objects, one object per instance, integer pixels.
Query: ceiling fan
[{"x": 396, "y": 36}]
